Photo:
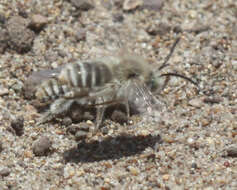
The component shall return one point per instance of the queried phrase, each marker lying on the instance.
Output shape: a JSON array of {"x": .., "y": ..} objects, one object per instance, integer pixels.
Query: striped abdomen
[
  {"x": 85, "y": 75},
  {"x": 50, "y": 90}
]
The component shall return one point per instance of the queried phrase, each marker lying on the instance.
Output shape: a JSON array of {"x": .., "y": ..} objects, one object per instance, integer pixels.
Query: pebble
[
  {"x": 83, "y": 5},
  {"x": 197, "y": 102},
  {"x": 80, "y": 35},
  {"x": 166, "y": 177},
  {"x": 1, "y": 148},
  {"x": 80, "y": 135},
  {"x": 133, "y": 170},
  {"x": 20, "y": 37},
  {"x": 3, "y": 91},
  {"x": 118, "y": 17},
  {"x": 38, "y": 22},
  {"x": 3, "y": 40},
  {"x": 5, "y": 172},
  {"x": 232, "y": 151},
  {"x": 129, "y": 5},
  {"x": 119, "y": 117},
  {"x": 18, "y": 125},
  {"x": 42, "y": 146},
  {"x": 155, "y": 5},
  {"x": 194, "y": 165}
]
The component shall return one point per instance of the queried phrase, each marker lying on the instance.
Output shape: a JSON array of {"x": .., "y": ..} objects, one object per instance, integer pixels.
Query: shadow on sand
[{"x": 110, "y": 148}]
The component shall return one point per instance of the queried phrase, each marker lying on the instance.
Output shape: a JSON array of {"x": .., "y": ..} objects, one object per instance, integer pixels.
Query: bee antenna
[
  {"x": 181, "y": 76},
  {"x": 170, "y": 53}
]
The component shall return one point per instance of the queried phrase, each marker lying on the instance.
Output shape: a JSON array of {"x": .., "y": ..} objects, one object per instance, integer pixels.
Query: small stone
[
  {"x": 80, "y": 135},
  {"x": 20, "y": 36},
  {"x": 3, "y": 40},
  {"x": 119, "y": 117},
  {"x": 133, "y": 170},
  {"x": 227, "y": 164},
  {"x": 196, "y": 103},
  {"x": 129, "y": 5},
  {"x": 232, "y": 151},
  {"x": 194, "y": 165},
  {"x": 5, "y": 172},
  {"x": 67, "y": 121},
  {"x": 1, "y": 148},
  {"x": 83, "y": 5},
  {"x": 3, "y": 91},
  {"x": 42, "y": 146},
  {"x": 190, "y": 141},
  {"x": 18, "y": 125},
  {"x": 155, "y": 5},
  {"x": 80, "y": 35},
  {"x": 38, "y": 22},
  {"x": 212, "y": 100},
  {"x": 160, "y": 29},
  {"x": 118, "y": 17},
  {"x": 166, "y": 177},
  {"x": 2, "y": 18}
]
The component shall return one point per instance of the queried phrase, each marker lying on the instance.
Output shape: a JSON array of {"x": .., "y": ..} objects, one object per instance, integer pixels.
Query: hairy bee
[{"x": 102, "y": 82}]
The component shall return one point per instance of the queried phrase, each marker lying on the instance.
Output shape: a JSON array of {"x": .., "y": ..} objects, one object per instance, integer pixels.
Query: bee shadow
[{"x": 110, "y": 148}]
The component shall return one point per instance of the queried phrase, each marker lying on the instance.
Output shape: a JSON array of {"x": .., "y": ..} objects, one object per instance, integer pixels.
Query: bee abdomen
[
  {"x": 85, "y": 74},
  {"x": 50, "y": 90}
]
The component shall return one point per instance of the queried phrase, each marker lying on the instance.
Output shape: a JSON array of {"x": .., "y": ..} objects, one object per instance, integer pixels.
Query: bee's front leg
[{"x": 58, "y": 107}]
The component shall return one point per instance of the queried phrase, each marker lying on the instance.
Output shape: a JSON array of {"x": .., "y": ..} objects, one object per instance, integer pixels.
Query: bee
[{"x": 101, "y": 83}]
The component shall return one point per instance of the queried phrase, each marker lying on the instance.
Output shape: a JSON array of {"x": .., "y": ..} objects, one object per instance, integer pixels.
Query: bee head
[{"x": 155, "y": 82}]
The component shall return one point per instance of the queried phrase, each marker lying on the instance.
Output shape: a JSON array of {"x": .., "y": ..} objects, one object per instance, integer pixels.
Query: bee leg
[
  {"x": 99, "y": 118},
  {"x": 127, "y": 109},
  {"x": 58, "y": 107}
]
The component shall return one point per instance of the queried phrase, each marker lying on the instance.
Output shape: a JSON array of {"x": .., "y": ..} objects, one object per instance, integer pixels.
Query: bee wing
[
  {"x": 36, "y": 78},
  {"x": 142, "y": 100}
]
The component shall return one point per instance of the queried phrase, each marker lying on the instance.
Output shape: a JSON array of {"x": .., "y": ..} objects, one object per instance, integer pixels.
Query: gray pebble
[
  {"x": 18, "y": 125},
  {"x": 42, "y": 146},
  {"x": 232, "y": 151},
  {"x": 155, "y": 5},
  {"x": 3, "y": 40},
  {"x": 21, "y": 37},
  {"x": 119, "y": 117},
  {"x": 80, "y": 135},
  {"x": 84, "y": 5},
  {"x": 5, "y": 172},
  {"x": 38, "y": 22},
  {"x": 80, "y": 35},
  {"x": 1, "y": 148}
]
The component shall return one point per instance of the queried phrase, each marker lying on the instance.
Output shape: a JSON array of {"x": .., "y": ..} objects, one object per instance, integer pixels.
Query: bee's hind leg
[{"x": 58, "y": 107}]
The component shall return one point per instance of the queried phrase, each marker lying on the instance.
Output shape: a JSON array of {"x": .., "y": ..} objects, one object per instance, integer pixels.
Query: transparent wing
[
  {"x": 143, "y": 100},
  {"x": 36, "y": 78}
]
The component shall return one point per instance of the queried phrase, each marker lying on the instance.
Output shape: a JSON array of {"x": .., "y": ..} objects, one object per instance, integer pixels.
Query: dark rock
[
  {"x": 129, "y": 5},
  {"x": 80, "y": 135},
  {"x": 232, "y": 151},
  {"x": 2, "y": 19},
  {"x": 119, "y": 117},
  {"x": 5, "y": 172},
  {"x": 42, "y": 146},
  {"x": 118, "y": 17},
  {"x": 160, "y": 29},
  {"x": 18, "y": 125},
  {"x": 38, "y": 22},
  {"x": 20, "y": 36},
  {"x": 1, "y": 148},
  {"x": 194, "y": 165},
  {"x": 80, "y": 35},
  {"x": 3, "y": 40},
  {"x": 67, "y": 121},
  {"x": 155, "y": 5},
  {"x": 83, "y": 5}
]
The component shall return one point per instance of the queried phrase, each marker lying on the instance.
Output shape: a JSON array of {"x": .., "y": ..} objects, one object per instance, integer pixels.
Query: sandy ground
[{"x": 192, "y": 144}]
